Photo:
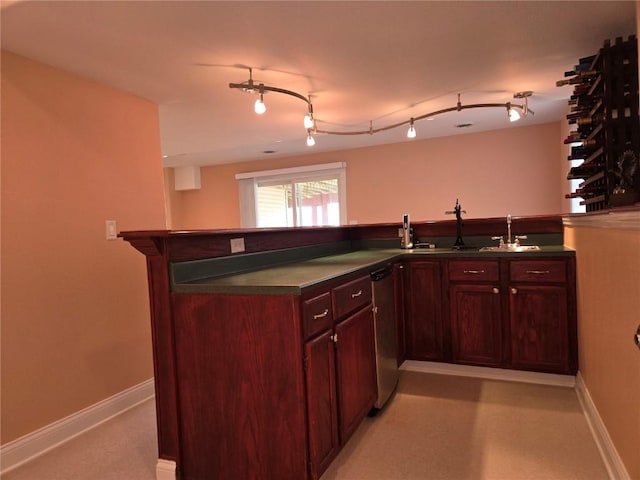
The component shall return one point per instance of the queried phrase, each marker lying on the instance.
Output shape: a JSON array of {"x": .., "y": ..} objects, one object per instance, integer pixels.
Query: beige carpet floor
[
  {"x": 436, "y": 427},
  {"x": 446, "y": 427}
]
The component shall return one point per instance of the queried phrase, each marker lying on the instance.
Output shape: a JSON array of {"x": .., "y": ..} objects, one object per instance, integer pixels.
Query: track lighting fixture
[
  {"x": 310, "y": 140},
  {"x": 412, "y": 130},
  {"x": 512, "y": 113},
  {"x": 259, "y": 107},
  {"x": 514, "y": 110}
]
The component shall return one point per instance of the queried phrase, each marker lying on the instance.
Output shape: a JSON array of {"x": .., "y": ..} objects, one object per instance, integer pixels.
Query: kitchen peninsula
[{"x": 264, "y": 359}]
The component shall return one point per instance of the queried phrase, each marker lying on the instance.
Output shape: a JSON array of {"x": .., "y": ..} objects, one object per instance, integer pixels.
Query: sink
[{"x": 510, "y": 248}]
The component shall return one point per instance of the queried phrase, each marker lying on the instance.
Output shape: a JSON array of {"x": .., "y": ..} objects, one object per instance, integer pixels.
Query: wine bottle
[
  {"x": 585, "y": 62},
  {"x": 574, "y": 137},
  {"x": 584, "y": 170},
  {"x": 591, "y": 120},
  {"x": 580, "y": 77},
  {"x": 581, "y": 88},
  {"x": 577, "y": 153},
  {"x": 591, "y": 143},
  {"x": 577, "y": 194}
]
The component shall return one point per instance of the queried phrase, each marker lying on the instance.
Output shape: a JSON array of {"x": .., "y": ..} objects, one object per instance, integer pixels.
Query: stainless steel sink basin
[{"x": 511, "y": 248}]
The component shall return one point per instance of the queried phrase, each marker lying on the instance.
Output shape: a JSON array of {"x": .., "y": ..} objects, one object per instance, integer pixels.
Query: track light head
[
  {"x": 512, "y": 113},
  {"x": 310, "y": 140},
  {"x": 411, "y": 133},
  {"x": 259, "y": 107}
]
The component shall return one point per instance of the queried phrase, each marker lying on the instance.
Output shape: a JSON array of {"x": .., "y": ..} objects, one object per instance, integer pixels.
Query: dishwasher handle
[{"x": 381, "y": 273}]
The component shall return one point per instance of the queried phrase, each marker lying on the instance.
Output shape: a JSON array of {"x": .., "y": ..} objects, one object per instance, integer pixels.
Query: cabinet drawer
[
  {"x": 539, "y": 271},
  {"x": 351, "y": 296},
  {"x": 317, "y": 314},
  {"x": 474, "y": 270}
]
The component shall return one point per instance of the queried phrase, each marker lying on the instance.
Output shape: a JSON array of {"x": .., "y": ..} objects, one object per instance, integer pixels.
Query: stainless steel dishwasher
[{"x": 385, "y": 334}]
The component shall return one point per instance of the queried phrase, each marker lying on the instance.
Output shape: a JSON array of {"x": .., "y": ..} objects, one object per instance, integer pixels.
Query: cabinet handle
[
  {"x": 496, "y": 290},
  {"x": 357, "y": 294},
  {"x": 321, "y": 315},
  {"x": 514, "y": 291},
  {"x": 334, "y": 337},
  {"x": 473, "y": 272},
  {"x": 538, "y": 272}
]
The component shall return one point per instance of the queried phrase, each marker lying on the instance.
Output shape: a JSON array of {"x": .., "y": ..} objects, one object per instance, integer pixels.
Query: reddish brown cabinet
[
  {"x": 424, "y": 333},
  {"x": 240, "y": 386},
  {"x": 322, "y": 402},
  {"x": 476, "y": 324},
  {"x": 340, "y": 367},
  {"x": 356, "y": 369},
  {"x": 542, "y": 316},
  {"x": 475, "y": 312},
  {"x": 508, "y": 312}
]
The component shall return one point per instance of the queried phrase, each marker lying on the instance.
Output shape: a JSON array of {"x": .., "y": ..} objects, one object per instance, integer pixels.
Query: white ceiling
[{"x": 361, "y": 62}]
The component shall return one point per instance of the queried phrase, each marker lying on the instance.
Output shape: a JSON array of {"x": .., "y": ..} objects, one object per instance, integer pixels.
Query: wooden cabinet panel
[
  {"x": 481, "y": 322},
  {"x": 350, "y": 296},
  {"x": 424, "y": 329},
  {"x": 399, "y": 291},
  {"x": 474, "y": 271},
  {"x": 317, "y": 314},
  {"x": 476, "y": 324},
  {"x": 356, "y": 369},
  {"x": 539, "y": 328},
  {"x": 538, "y": 271},
  {"x": 240, "y": 387},
  {"x": 321, "y": 402}
]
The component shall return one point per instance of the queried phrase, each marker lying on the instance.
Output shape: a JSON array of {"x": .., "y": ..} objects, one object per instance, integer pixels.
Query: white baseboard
[
  {"x": 608, "y": 452},
  {"x": 34, "y": 444},
  {"x": 489, "y": 373},
  {"x": 165, "y": 470}
]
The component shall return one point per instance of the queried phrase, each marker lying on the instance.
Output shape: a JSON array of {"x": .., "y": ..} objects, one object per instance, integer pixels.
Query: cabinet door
[
  {"x": 423, "y": 332},
  {"x": 539, "y": 328},
  {"x": 476, "y": 324},
  {"x": 321, "y": 402},
  {"x": 356, "y": 369}
]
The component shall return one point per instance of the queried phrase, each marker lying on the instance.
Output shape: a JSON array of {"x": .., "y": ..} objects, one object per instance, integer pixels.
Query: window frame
[{"x": 248, "y": 184}]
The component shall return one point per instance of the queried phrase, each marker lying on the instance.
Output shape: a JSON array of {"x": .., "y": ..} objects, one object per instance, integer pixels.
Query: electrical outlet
[
  {"x": 112, "y": 230},
  {"x": 237, "y": 245}
]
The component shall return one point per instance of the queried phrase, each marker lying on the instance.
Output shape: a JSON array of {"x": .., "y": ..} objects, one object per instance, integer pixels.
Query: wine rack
[{"x": 606, "y": 136}]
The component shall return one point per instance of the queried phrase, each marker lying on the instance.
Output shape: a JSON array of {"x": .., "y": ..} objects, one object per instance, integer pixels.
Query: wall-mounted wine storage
[{"x": 604, "y": 111}]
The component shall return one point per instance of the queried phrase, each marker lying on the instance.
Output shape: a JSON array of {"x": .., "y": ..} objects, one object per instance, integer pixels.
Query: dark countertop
[{"x": 295, "y": 278}]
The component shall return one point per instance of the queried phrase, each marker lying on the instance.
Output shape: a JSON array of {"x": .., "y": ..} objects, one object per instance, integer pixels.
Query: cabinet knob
[
  {"x": 514, "y": 290},
  {"x": 496, "y": 290},
  {"x": 357, "y": 294}
]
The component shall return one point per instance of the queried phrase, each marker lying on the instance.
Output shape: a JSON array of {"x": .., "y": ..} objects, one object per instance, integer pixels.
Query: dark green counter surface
[{"x": 295, "y": 278}]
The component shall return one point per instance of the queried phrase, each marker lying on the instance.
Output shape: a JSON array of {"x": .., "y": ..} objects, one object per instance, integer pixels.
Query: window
[
  {"x": 573, "y": 185},
  {"x": 303, "y": 196}
]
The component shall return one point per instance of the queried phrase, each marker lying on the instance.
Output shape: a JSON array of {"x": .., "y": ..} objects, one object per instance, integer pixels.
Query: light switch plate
[{"x": 112, "y": 230}]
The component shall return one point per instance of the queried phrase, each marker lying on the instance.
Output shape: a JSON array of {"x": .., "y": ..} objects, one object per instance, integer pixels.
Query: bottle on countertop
[{"x": 407, "y": 240}]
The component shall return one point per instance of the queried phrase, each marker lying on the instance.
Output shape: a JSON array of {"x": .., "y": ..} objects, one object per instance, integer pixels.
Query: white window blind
[{"x": 302, "y": 196}]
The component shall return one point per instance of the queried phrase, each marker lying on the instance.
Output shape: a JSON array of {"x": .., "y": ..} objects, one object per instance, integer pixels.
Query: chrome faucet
[{"x": 509, "y": 243}]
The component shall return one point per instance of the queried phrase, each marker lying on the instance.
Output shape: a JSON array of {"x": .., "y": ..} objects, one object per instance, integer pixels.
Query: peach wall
[
  {"x": 493, "y": 173},
  {"x": 608, "y": 267},
  {"x": 75, "y": 315}
]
